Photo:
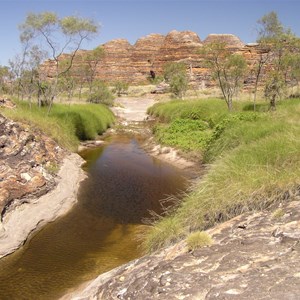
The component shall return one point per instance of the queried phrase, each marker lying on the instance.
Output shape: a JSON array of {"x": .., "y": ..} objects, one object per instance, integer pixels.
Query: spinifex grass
[
  {"x": 254, "y": 162},
  {"x": 66, "y": 124}
]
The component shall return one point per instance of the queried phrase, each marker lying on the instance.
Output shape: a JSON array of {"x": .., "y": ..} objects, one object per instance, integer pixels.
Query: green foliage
[
  {"x": 270, "y": 27},
  {"x": 275, "y": 87},
  {"x": 254, "y": 160},
  {"x": 4, "y": 75},
  {"x": 228, "y": 69},
  {"x": 186, "y": 134},
  {"x": 175, "y": 75},
  {"x": 88, "y": 69},
  {"x": 120, "y": 88},
  {"x": 179, "y": 84},
  {"x": 198, "y": 239},
  {"x": 55, "y": 35},
  {"x": 284, "y": 47},
  {"x": 210, "y": 111},
  {"x": 101, "y": 94},
  {"x": 164, "y": 233},
  {"x": 67, "y": 124},
  {"x": 171, "y": 69},
  {"x": 72, "y": 25}
]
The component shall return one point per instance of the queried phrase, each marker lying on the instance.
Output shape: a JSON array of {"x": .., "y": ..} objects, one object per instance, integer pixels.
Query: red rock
[
  {"x": 21, "y": 151},
  {"x": 133, "y": 63}
]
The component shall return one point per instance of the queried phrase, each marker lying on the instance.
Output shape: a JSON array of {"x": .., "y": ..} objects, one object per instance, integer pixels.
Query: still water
[{"x": 99, "y": 233}]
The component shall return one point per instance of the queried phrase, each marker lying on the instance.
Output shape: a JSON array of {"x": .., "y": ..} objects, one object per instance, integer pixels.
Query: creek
[{"x": 100, "y": 231}]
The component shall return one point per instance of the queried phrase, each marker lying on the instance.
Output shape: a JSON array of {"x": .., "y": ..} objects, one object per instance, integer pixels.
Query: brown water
[{"x": 99, "y": 233}]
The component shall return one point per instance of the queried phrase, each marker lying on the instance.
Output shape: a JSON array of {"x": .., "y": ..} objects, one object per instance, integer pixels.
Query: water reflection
[{"x": 124, "y": 183}]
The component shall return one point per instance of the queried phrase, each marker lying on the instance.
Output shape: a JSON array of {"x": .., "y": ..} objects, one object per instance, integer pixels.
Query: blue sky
[{"x": 132, "y": 19}]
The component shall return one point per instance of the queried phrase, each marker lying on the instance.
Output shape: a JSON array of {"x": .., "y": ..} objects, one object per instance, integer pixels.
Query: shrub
[
  {"x": 175, "y": 75},
  {"x": 183, "y": 133},
  {"x": 101, "y": 94},
  {"x": 120, "y": 88}
]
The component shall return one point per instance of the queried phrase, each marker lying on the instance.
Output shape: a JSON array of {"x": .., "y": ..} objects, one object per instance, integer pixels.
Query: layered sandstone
[
  {"x": 132, "y": 63},
  {"x": 229, "y": 40}
]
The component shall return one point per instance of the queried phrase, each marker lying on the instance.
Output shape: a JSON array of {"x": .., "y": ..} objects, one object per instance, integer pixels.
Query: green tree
[
  {"x": 258, "y": 68},
  {"x": 228, "y": 69},
  {"x": 91, "y": 60},
  {"x": 4, "y": 77},
  {"x": 296, "y": 71},
  {"x": 175, "y": 74},
  {"x": 283, "y": 47},
  {"x": 270, "y": 27},
  {"x": 101, "y": 94},
  {"x": 120, "y": 88},
  {"x": 274, "y": 88},
  {"x": 57, "y": 35}
]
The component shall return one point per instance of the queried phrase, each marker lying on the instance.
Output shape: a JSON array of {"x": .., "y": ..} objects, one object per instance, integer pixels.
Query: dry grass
[{"x": 198, "y": 239}]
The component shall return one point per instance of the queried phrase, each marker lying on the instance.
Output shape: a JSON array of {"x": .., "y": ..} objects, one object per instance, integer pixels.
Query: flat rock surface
[
  {"x": 254, "y": 256},
  {"x": 19, "y": 223}
]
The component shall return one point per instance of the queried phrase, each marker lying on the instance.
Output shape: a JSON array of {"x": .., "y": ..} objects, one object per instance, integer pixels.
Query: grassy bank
[
  {"x": 66, "y": 124},
  {"x": 253, "y": 159}
]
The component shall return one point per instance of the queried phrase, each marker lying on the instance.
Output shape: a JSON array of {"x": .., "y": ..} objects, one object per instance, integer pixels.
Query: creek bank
[
  {"x": 253, "y": 256},
  {"x": 31, "y": 193},
  {"x": 133, "y": 119}
]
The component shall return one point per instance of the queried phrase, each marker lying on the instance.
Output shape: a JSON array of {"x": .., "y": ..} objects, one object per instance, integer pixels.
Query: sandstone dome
[
  {"x": 229, "y": 39},
  {"x": 186, "y": 37}
]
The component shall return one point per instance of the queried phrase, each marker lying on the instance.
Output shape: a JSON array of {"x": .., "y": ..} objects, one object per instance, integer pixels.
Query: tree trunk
[
  {"x": 273, "y": 103},
  {"x": 229, "y": 104}
]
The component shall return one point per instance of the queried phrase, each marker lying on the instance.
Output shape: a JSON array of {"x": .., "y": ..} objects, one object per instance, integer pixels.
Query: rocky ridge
[{"x": 133, "y": 63}]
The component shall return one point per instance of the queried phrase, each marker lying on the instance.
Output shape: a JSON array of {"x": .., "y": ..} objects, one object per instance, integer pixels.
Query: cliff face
[{"x": 132, "y": 63}]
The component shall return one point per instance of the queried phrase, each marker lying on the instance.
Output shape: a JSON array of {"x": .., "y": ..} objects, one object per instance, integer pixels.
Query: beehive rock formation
[
  {"x": 132, "y": 63},
  {"x": 230, "y": 40}
]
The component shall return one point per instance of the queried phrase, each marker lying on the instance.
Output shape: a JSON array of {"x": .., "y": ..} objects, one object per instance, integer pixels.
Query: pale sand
[{"x": 27, "y": 218}]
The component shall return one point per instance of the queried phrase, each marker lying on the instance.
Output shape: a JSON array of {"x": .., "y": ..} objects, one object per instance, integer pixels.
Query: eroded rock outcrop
[
  {"x": 28, "y": 162},
  {"x": 230, "y": 40},
  {"x": 132, "y": 63},
  {"x": 35, "y": 182},
  {"x": 254, "y": 256}
]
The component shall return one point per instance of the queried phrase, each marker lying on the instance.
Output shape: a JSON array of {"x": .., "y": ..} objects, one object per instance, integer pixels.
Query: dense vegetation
[
  {"x": 66, "y": 124},
  {"x": 253, "y": 161}
]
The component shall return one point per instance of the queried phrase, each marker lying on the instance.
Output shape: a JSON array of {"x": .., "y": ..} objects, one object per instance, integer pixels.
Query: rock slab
[{"x": 254, "y": 256}]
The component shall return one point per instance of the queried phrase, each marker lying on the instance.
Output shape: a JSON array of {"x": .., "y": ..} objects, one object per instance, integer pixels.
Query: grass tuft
[
  {"x": 278, "y": 214},
  {"x": 254, "y": 159},
  {"x": 198, "y": 239}
]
